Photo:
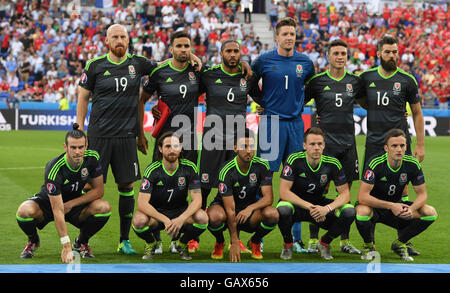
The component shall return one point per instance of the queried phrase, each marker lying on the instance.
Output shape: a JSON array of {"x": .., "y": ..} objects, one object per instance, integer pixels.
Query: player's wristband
[
  {"x": 328, "y": 208},
  {"x": 64, "y": 240}
]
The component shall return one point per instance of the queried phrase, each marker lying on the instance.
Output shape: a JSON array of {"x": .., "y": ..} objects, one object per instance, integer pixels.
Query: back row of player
[{"x": 118, "y": 73}]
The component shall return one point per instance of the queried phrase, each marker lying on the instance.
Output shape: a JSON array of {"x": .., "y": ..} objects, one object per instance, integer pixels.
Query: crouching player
[
  {"x": 380, "y": 196},
  {"x": 236, "y": 205},
  {"x": 303, "y": 180},
  {"x": 60, "y": 199},
  {"x": 162, "y": 202}
]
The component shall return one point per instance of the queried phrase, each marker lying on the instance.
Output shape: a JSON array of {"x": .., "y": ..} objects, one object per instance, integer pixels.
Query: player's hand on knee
[
  {"x": 243, "y": 215},
  {"x": 407, "y": 213},
  {"x": 397, "y": 208}
]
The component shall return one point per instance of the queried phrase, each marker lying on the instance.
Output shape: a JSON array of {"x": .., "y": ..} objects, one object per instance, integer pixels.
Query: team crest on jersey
[
  {"x": 181, "y": 181},
  {"x": 145, "y": 184},
  {"x": 349, "y": 88},
  {"x": 83, "y": 78},
  {"x": 51, "y": 187},
  {"x": 323, "y": 179},
  {"x": 252, "y": 178},
  {"x": 84, "y": 173},
  {"x": 397, "y": 88},
  {"x": 222, "y": 187},
  {"x": 205, "y": 178},
  {"x": 299, "y": 70},
  {"x": 243, "y": 84},
  {"x": 191, "y": 76},
  {"x": 132, "y": 71},
  {"x": 287, "y": 171},
  {"x": 403, "y": 178}
]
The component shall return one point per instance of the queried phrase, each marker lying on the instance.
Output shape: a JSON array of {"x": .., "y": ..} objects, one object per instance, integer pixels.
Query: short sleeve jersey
[
  {"x": 179, "y": 89},
  {"x": 388, "y": 184},
  {"x": 61, "y": 179},
  {"x": 335, "y": 99},
  {"x": 226, "y": 94},
  {"x": 243, "y": 187},
  {"x": 115, "y": 94},
  {"x": 283, "y": 82},
  {"x": 386, "y": 101},
  {"x": 308, "y": 183},
  {"x": 170, "y": 191}
]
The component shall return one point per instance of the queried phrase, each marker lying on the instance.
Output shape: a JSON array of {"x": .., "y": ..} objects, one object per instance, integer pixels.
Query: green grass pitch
[{"x": 23, "y": 155}]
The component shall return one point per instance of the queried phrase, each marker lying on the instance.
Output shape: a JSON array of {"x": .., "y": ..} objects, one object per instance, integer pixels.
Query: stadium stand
[{"x": 44, "y": 44}]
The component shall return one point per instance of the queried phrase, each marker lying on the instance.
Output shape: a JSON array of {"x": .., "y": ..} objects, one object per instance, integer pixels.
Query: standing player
[
  {"x": 177, "y": 84},
  {"x": 380, "y": 196},
  {"x": 61, "y": 200},
  {"x": 236, "y": 204},
  {"x": 226, "y": 91},
  {"x": 162, "y": 202},
  {"x": 284, "y": 72},
  {"x": 113, "y": 80},
  {"x": 335, "y": 92},
  {"x": 387, "y": 88},
  {"x": 303, "y": 180}
]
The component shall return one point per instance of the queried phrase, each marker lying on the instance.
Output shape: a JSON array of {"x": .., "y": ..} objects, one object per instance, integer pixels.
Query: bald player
[{"x": 112, "y": 81}]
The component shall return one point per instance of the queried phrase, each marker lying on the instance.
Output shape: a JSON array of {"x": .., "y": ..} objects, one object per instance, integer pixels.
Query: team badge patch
[
  {"x": 287, "y": 171},
  {"x": 243, "y": 84},
  {"x": 222, "y": 187},
  {"x": 323, "y": 179},
  {"x": 191, "y": 75},
  {"x": 132, "y": 71},
  {"x": 181, "y": 181},
  {"x": 83, "y": 78},
  {"x": 397, "y": 88},
  {"x": 84, "y": 172},
  {"x": 349, "y": 87},
  {"x": 252, "y": 178},
  {"x": 145, "y": 184},
  {"x": 205, "y": 178},
  {"x": 299, "y": 70},
  {"x": 51, "y": 187},
  {"x": 369, "y": 175},
  {"x": 403, "y": 178}
]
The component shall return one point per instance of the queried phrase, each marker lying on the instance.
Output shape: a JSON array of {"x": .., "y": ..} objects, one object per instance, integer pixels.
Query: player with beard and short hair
[
  {"x": 226, "y": 91},
  {"x": 177, "y": 84},
  {"x": 237, "y": 206},
  {"x": 162, "y": 202},
  {"x": 61, "y": 199},
  {"x": 113, "y": 82},
  {"x": 387, "y": 89}
]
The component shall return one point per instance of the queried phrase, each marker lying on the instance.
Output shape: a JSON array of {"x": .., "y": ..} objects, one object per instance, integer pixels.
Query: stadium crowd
[{"x": 44, "y": 49}]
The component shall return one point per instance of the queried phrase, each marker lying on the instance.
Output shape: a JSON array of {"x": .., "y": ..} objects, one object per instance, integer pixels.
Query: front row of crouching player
[{"x": 243, "y": 202}]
